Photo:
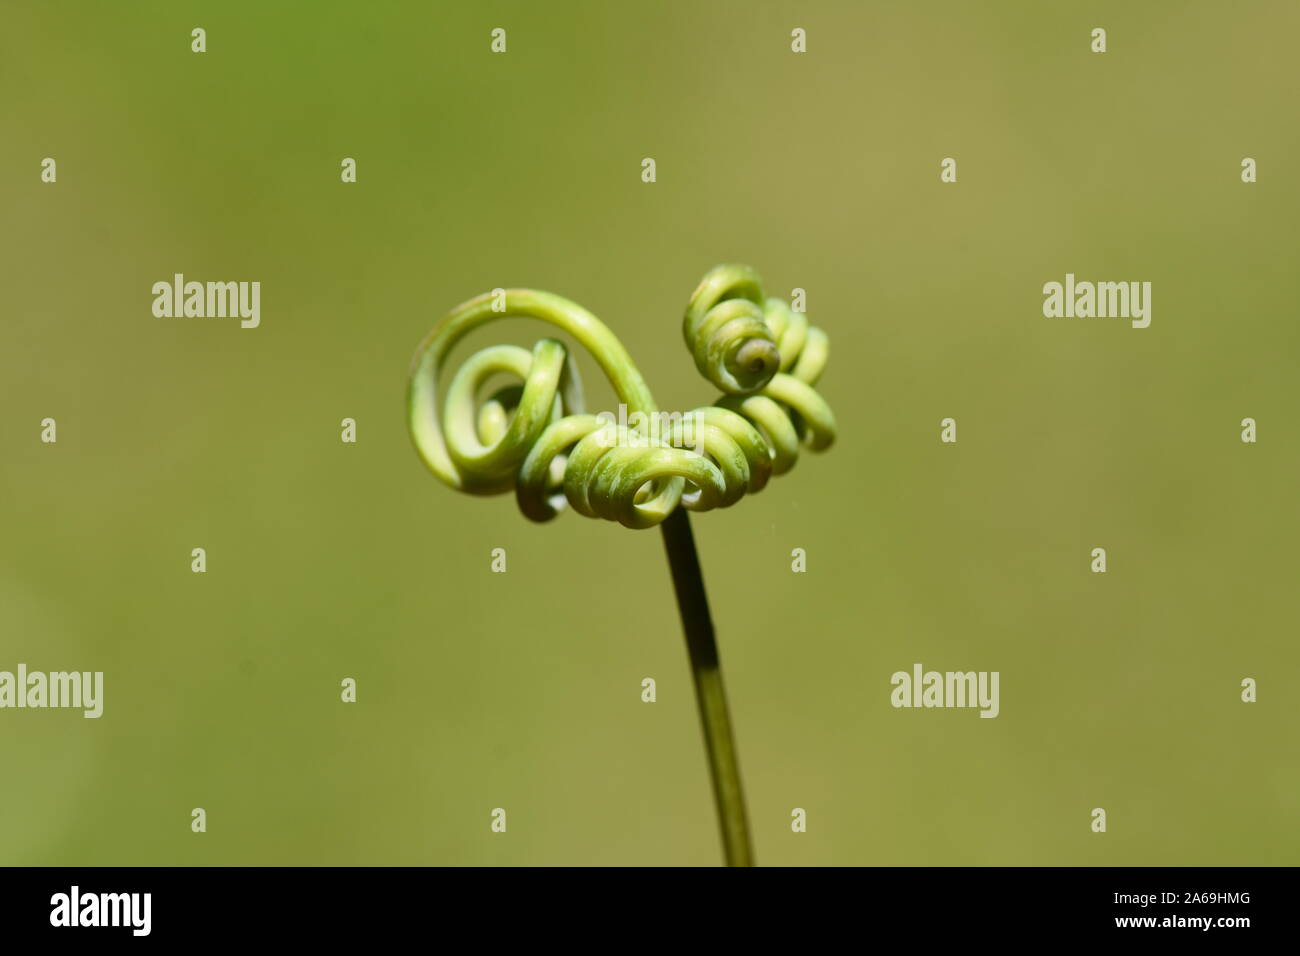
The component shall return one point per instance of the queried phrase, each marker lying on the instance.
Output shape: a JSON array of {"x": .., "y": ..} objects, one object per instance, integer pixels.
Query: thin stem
[{"x": 693, "y": 603}]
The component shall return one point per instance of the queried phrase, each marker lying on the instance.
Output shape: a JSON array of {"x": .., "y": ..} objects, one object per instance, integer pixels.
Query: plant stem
[{"x": 693, "y": 603}]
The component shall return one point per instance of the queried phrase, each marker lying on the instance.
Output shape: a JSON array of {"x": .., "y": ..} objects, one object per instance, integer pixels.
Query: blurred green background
[{"x": 480, "y": 690}]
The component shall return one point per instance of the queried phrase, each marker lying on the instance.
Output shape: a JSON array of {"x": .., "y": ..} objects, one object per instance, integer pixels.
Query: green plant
[{"x": 536, "y": 440}]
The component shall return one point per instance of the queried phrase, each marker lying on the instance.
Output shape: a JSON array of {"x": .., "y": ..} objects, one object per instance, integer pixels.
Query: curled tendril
[{"x": 536, "y": 439}]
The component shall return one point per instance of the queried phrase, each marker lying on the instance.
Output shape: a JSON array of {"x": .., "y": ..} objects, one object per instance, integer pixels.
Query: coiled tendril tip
[{"x": 536, "y": 438}]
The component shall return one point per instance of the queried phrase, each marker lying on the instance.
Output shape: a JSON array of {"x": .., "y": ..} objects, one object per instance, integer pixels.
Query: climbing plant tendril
[{"x": 536, "y": 439}]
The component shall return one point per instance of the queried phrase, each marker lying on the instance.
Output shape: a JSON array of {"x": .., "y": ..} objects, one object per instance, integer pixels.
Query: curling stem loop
[{"x": 535, "y": 438}]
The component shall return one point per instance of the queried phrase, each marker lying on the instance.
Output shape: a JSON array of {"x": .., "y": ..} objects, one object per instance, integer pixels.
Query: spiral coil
[{"x": 536, "y": 439}]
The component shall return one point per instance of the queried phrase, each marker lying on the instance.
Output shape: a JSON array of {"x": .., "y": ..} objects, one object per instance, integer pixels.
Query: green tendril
[{"x": 536, "y": 439}]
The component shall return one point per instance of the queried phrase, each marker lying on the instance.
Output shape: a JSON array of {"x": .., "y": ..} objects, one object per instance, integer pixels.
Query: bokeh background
[{"x": 480, "y": 690}]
